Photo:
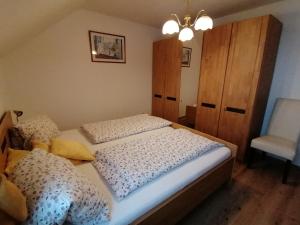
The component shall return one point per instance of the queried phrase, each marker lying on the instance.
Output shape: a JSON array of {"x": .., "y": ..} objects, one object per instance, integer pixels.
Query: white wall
[
  {"x": 286, "y": 80},
  {"x": 190, "y": 75},
  {"x": 53, "y": 73}
]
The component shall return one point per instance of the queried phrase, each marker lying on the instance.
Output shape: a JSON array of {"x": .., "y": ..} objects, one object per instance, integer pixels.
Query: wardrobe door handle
[
  {"x": 171, "y": 98},
  {"x": 235, "y": 110},
  {"x": 208, "y": 105},
  {"x": 157, "y": 96}
]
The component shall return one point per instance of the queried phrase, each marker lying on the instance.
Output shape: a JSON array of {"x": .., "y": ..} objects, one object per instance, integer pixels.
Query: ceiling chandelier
[{"x": 201, "y": 22}]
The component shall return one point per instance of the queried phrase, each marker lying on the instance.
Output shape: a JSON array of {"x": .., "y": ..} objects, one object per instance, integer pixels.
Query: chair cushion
[
  {"x": 285, "y": 121},
  {"x": 275, "y": 145}
]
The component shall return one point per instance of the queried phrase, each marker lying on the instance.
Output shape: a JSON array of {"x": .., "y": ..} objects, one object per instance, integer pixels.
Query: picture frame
[
  {"x": 186, "y": 57},
  {"x": 106, "y": 47}
]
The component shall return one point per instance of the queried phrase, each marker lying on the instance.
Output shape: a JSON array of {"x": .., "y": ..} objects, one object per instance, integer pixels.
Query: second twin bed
[{"x": 140, "y": 171}]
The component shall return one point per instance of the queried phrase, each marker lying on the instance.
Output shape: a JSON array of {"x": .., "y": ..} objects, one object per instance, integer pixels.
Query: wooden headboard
[{"x": 5, "y": 124}]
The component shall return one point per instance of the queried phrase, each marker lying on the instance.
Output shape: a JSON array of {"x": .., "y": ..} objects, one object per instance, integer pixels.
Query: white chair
[{"x": 282, "y": 138}]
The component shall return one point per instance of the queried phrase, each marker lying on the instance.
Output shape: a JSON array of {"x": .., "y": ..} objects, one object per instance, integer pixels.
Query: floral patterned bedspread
[
  {"x": 114, "y": 129},
  {"x": 129, "y": 165}
]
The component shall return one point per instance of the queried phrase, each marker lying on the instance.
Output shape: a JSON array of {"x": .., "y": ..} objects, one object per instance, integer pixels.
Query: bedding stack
[
  {"x": 35, "y": 132},
  {"x": 56, "y": 192},
  {"x": 131, "y": 164}
]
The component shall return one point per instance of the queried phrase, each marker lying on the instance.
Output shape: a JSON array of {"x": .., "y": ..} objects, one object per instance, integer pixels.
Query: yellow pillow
[
  {"x": 12, "y": 159},
  {"x": 39, "y": 144},
  {"x": 12, "y": 201},
  {"x": 76, "y": 162},
  {"x": 70, "y": 149}
]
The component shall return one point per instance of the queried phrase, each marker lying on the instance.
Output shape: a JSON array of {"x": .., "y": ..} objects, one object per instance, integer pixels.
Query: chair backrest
[{"x": 285, "y": 121}]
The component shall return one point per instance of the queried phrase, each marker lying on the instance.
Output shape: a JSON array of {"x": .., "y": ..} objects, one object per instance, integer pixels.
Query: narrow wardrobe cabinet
[
  {"x": 166, "y": 78},
  {"x": 244, "y": 82},
  {"x": 213, "y": 67}
]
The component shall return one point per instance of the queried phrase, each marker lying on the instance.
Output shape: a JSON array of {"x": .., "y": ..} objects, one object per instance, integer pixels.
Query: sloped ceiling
[{"x": 21, "y": 20}]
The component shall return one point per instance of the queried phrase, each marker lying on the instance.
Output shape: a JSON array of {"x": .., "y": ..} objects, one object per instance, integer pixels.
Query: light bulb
[
  {"x": 186, "y": 34},
  {"x": 204, "y": 23},
  {"x": 170, "y": 27}
]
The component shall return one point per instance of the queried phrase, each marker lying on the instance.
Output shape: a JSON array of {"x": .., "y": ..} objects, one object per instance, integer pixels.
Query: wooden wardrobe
[
  {"x": 166, "y": 78},
  {"x": 236, "y": 72}
]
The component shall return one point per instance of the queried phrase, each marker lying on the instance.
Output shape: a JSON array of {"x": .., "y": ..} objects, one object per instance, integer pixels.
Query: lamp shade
[
  {"x": 186, "y": 34},
  {"x": 170, "y": 27},
  {"x": 204, "y": 23}
]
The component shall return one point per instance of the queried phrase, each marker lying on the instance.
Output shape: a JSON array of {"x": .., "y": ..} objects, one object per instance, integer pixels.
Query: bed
[{"x": 165, "y": 200}]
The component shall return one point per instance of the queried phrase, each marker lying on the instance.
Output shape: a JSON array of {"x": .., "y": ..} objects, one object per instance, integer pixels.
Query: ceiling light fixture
[{"x": 201, "y": 22}]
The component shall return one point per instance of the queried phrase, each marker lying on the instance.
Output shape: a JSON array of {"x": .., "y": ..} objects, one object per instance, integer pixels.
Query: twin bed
[{"x": 164, "y": 200}]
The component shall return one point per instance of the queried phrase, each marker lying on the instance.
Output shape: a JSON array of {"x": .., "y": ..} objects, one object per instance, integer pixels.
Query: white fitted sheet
[{"x": 153, "y": 193}]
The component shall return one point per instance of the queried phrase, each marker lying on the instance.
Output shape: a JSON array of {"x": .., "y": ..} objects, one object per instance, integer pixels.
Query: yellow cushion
[
  {"x": 12, "y": 159},
  {"x": 12, "y": 201},
  {"x": 39, "y": 144},
  {"x": 70, "y": 149}
]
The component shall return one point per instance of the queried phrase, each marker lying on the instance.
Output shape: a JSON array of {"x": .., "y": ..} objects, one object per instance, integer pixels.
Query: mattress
[{"x": 147, "y": 197}]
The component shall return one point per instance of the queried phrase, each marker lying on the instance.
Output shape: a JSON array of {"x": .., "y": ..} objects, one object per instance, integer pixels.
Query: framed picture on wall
[
  {"x": 106, "y": 47},
  {"x": 186, "y": 57}
]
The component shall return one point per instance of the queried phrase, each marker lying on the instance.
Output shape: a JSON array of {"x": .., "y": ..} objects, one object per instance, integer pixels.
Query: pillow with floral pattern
[{"x": 38, "y": 128}]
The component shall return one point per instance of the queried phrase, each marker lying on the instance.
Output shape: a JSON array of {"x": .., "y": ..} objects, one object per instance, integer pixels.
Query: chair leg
[
  {"x": 286, "y": 171},
  {"x": 263, "y": 155},
  {"x": 250, "y": 157}
]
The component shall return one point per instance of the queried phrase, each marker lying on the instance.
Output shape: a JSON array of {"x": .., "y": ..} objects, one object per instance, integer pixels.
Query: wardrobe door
[
  {"x": 243, "y": 52},
  {"x": 212, "y": 74},
  {"x": 172, "y": 67},
  {"x": 158, "y": 79}
]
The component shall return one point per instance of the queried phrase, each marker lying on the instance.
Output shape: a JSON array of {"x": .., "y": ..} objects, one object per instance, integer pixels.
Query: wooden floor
[{"x": 255, "y": 197}]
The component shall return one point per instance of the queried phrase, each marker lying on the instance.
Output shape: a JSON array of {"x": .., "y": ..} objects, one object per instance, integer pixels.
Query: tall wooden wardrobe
[
  {"x": 166, "y": 78},
  {"x": 236, "y": 72}
]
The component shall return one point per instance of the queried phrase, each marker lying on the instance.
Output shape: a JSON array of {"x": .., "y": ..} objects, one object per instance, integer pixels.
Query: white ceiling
[
  {"x": 155, "y": 12},
  {"x": 21, "y": 20}
]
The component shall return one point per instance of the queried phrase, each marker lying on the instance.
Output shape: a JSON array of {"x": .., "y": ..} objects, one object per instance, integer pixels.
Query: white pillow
[
  {"x": 109, "y": 130},
  {"x": 39, "y": 128}
]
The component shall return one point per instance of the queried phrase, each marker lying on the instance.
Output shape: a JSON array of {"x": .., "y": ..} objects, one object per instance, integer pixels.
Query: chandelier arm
[
  {"x": 198, "y": 14},
  {"x": 178, "y": 20}
]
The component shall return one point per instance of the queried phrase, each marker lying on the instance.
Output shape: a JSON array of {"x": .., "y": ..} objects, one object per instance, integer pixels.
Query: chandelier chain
[{"x": 188, "y": 6}]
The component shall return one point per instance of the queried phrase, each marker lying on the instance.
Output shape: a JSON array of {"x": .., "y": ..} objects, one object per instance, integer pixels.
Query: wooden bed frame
[
  {"x": 5, "y": 124},
  {"x": 184, "y": 201},
  {"x": 178, "y": 205}
]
